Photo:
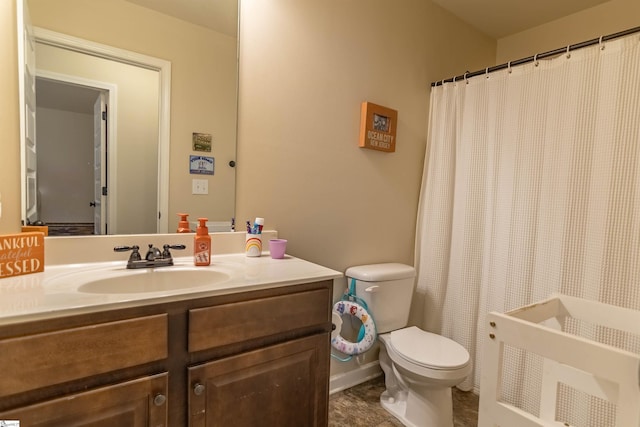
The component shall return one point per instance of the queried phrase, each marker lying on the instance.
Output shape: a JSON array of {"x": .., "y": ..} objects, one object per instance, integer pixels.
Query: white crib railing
[{"x": 604, "y": 371}]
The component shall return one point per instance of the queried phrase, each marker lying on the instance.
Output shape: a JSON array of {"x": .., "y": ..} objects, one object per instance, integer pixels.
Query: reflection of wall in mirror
[
  {"x": 203, "y": 84},
  {"x": 65, "y": 166}
]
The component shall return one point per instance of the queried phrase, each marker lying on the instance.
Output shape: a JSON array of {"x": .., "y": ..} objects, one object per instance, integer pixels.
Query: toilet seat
[{"x": 428, "y": 350}]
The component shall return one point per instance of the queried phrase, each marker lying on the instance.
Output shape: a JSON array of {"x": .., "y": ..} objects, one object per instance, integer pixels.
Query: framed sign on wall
[
  {"x": 201, "y": 141},
  {"x": 378, "y": 127},
  {"x": 201, "y": 165}
]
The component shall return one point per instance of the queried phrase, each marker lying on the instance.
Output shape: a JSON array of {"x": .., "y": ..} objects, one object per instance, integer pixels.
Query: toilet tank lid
[{"x": 380, "y": 272}]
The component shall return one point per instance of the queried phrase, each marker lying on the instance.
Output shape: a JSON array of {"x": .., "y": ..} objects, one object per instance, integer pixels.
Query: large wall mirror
[{"x": 123, "y": 90}]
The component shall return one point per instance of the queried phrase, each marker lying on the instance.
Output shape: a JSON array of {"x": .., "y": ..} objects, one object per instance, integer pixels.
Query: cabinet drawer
[
  {"x": 45, "y": 359},
  {"x": 136, "y": 403},
  {"x": 245, "y": 320}
]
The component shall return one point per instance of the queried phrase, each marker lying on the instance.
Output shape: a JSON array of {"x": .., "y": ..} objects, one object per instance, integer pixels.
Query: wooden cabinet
[
  {"x": 51, "y": 366},
  {"x": 245, "y": 320},
  {"x": 136, "y": 403},
  {"x": 281, "y": 385},
  {"x": 244, "y": 359},
  {"x": 55, "y": 357},
  {"x": 285, "y": 384}
]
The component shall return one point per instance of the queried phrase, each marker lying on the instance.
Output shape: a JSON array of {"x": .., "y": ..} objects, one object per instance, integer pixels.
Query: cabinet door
[
  {"x": 140, "y": 402},
  {"x": 282, "y": 385}
]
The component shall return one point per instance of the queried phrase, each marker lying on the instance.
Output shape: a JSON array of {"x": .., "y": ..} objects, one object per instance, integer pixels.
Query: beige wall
[
  {"x": 305, "y": 67},
  {"x": 9, "y": 134},
  {"x": 606, "y": 18}
]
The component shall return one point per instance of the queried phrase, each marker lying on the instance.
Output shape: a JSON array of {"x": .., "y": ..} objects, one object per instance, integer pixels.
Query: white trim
[
  {"x": 77, "y": 44},
  {"x": 163, "y": 68},
  {"x": 361, "y": 374},
  {"x": 20, "y": 24},
  {"x": 112, "y": 123}
]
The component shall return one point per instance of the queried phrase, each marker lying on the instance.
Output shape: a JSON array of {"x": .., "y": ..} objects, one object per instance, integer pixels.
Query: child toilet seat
[{"x": 362, "y": 345}]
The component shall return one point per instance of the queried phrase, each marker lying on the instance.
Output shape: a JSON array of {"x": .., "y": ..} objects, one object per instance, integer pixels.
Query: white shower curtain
[{"x": 532, "y": 186}]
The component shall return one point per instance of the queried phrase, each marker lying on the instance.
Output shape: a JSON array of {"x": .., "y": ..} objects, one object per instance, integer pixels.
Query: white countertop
[{"x": 54, "y": 292}]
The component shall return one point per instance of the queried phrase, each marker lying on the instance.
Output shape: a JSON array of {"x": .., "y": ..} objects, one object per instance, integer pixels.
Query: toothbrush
[{"x": 257, "y": 225}]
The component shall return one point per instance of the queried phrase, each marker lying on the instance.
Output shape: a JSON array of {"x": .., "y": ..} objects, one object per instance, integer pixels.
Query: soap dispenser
[
  {"x": 183, "y": 224},
  {"x": 202, "y": 244}
]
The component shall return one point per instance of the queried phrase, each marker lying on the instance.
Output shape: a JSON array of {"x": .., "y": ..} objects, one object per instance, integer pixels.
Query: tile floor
[{"x": 359, "y": 406}]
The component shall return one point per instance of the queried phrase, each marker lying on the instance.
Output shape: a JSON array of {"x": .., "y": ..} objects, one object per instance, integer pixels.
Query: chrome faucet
[{"x": 153, "y": 258}]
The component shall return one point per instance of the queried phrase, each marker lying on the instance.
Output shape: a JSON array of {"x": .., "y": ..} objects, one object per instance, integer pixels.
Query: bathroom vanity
[{"x": 250, "y": 350}]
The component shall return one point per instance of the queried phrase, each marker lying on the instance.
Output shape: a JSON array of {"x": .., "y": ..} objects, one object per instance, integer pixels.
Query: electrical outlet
[{"x": 199, "y": 186}]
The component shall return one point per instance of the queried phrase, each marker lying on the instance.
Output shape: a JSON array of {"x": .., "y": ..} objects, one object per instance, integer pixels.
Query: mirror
[{"x": 199, "y": 42}]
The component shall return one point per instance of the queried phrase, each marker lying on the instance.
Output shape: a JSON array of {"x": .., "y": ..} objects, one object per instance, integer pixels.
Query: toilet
[{"x": 420, "y": 367}]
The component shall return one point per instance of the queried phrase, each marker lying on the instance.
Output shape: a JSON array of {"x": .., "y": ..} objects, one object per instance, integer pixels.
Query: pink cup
[{"x": 277, "y": 247}]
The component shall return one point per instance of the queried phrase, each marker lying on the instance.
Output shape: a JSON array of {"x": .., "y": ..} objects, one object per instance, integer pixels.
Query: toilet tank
[{"x": 387, "y": 290}]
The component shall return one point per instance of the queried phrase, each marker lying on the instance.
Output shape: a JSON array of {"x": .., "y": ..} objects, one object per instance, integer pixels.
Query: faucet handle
[
  {"x": 166, "y": 253},
  {"x": 135, "y": 254}
]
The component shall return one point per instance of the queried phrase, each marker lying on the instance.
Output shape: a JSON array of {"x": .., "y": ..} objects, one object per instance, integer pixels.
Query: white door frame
[
  {"x": 26, "y": 91},
  {"x": 163, "y": 67},
  {"x": 100, "y": 174}
]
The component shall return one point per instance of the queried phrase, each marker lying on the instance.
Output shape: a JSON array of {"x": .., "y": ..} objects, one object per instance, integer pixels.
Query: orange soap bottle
[
  {"x": 202, "y": 244},
  {"x": 183, "y": 224}
]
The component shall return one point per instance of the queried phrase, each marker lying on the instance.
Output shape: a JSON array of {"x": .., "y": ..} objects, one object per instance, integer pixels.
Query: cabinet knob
[
  {"x": 159, "y": 399},
  {"x": 198, "y": 389}
]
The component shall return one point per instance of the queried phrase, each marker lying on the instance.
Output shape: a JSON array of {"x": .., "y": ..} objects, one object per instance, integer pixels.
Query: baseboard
[{"x": 354, "y": 377}]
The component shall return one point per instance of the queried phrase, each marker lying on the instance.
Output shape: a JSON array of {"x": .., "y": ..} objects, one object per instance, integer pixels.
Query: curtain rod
[{"x": 540, "y": 56}]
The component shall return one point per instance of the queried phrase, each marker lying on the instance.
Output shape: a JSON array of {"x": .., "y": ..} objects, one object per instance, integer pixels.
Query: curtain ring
[
  {"x": 509, "y": 67},
  {"x": 535, "y": 59},
  {"x": 600, "y": 43},
  {"x": 454, "y": 79},
  {"x": 465, "y": 78},
  {"x": 568, "y": 53},
  {"x": 486, "y": 72}
]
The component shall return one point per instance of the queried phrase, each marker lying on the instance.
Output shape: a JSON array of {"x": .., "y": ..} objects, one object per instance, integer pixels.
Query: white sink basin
[{"x": 152, "y": 280}]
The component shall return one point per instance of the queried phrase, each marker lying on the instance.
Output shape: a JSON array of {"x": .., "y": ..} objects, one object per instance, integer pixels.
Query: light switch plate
[{"x": 200, "y": 186}]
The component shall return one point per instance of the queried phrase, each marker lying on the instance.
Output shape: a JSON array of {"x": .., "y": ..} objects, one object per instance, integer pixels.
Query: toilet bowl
[{"x": 420, "y": 367}]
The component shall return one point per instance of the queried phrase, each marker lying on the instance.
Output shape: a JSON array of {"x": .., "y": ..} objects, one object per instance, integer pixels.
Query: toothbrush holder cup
[{"x": 253, "y": 245}]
